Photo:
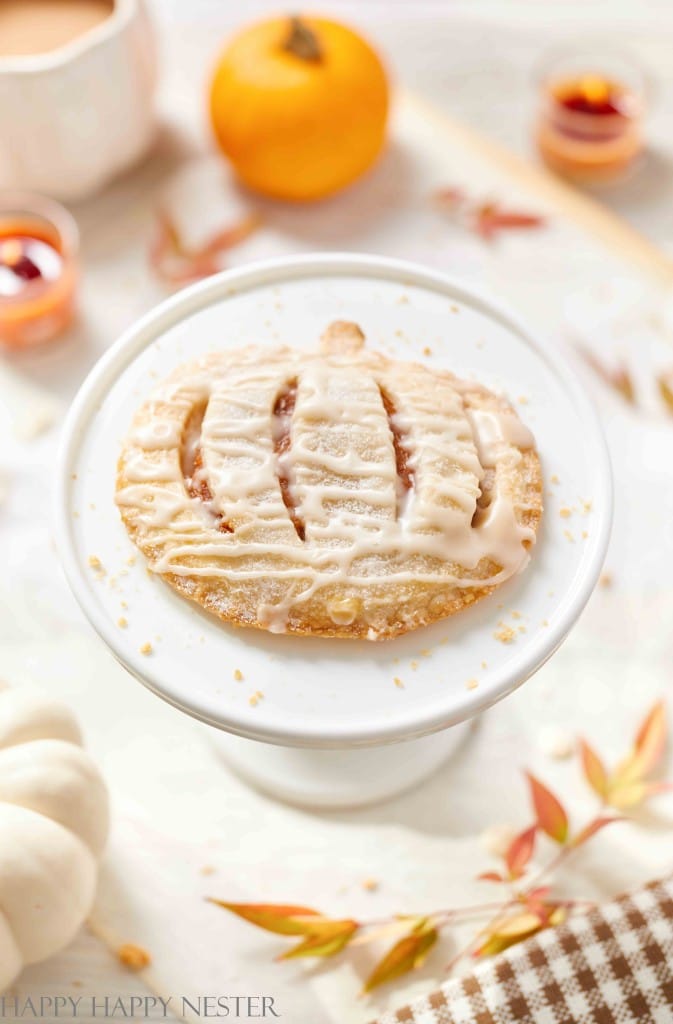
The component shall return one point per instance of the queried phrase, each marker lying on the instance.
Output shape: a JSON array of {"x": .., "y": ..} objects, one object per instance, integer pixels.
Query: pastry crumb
[
  {"x": 586, "y": 507},
  {"x": 545, "y": 622},
  {"x": 569, "y": 536},
  {"x": 565, "y": 512},
  {"x": 122, "y": 622},
  {"x": 585, "y": 534},
  {"x": 256, "y": 697},
  {"x": 427, "y": 351},
  {"x": 146, "y": 648},
  {"x": 238, "y": 675},
  {"x": 454, "y": 308},
  {"x": 472, "y": 684},
  {"x": 123, "y": 604},
  {"x": 506, "y": 635},
  {"x": 135, "y": 958},
  {"x": 522, "y": 400},
  {"x": 370, "y": 884},
  {"x": 403, "y": 300},
  {"x": 606, "y": 580},
  {"x": 208, "y": 869},
  {"x": 515, "y": 615},
  {"x": 414, "y": 665},
  {"x": 484, "y": 664},
  {"x": 95, "y": 563},
  {"x": 398, "y": 682}
]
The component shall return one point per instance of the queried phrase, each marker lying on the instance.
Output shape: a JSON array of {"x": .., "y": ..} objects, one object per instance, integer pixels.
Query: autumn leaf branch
[{"x": 527, "y": 906}]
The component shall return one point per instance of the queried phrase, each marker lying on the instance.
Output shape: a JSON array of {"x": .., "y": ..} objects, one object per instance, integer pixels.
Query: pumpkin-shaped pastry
[
  {"x": 53, "y": 827},
  {"x": 299, "y": 106}
]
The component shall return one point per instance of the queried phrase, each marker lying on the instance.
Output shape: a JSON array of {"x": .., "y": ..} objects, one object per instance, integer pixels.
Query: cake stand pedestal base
[{"x": 341, "y": 778}]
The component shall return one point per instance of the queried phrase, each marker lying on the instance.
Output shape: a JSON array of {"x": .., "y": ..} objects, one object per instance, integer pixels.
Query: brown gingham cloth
[{"x": 613, "y": 965}]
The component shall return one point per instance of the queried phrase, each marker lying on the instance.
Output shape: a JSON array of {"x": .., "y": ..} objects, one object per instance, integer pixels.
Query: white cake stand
[{"x": 317, "y": 721}]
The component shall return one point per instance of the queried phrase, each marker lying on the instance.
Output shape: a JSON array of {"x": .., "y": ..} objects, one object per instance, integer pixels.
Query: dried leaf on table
[
  {"x": 176, "y": 263},
  {"x": 618, "y": 378},
  {"x": 406, "y": 955},
  {"x": 485, "y": 218},
  {"x": 594, "y": 770},
  {"x": 551, "y": 815},
  {"x": 665, "y": 385},
  {"x": 624, "y": 797},
  {"x": 326, "y": 938},
  {"x": 648, "y": 748},
  {"x": 490, "y": 218},
  {"x": 508, "y": 932},
  {"x": 283, "y": 919},
  {"x": 490, "y": 876},
  {"x": 520, "y": 852},
  {"x": 592, "y": 829}
]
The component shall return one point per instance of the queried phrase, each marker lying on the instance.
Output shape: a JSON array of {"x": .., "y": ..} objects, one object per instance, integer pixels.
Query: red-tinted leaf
[
  {"x": 551, "y": 816},
  {"x": 491, "y": 218},
  {"x": 407, "y": 954},
  {"x": 594, "y": 770},
  {"x": 490, "y": 876},
  {"x": 520, "y": 852},
  {"x": 280, "y": 918},
  {"x": 175, "y": 263},
  {"x": 592, "y": 829},
  {"x": 326, "y": 939}
]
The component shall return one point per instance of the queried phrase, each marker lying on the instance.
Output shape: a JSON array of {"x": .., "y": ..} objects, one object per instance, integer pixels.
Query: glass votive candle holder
[
  {"x": 591, "y": 112},
  {"x": 39, "y": 244}
]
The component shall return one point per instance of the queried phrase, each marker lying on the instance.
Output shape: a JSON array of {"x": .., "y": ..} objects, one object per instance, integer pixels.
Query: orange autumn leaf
[
  {"x": 327, "y": 938},
  {"x": 507, "y": 933},
  {"x": 489, "y": 218},
  {"x": 490, "y": 876},
  {"x": 551, "y": 815},
  {"x": 648, "y": 748},
  {"x": 280, "y": 918},
  {"x": 176, "y": 263},
  {"x": 618, "y": 378},
  {"x": 591, "y": 829},
  {"x": 520, "y": 852},
  {"x": 665, "y": 384},
  {"x": 406, "y": 955},
  {"x": 594, "y": 770}
]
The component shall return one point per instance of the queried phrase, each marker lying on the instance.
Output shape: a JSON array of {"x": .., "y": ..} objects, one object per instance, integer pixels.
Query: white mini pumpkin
[{"x": 53, "y": 827}]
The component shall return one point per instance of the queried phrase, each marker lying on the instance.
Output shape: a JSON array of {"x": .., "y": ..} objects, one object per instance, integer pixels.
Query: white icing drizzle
[{"x": 362, "y": 525}]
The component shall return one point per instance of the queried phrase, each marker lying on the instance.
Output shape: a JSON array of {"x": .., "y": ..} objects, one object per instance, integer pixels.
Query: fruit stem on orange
[{"x": 302, "y": 41}]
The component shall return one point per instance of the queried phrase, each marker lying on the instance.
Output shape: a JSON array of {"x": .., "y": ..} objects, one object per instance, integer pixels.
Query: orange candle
[
  {"x": 589, "y": 125},
  {"x": 38, "y": 270}
]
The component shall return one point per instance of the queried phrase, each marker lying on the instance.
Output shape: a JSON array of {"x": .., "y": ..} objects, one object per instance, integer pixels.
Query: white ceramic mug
[{"x": 74, "y": 117}]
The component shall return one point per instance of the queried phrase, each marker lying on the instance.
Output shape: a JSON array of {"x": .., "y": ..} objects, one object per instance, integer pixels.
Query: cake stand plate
[{"x": 334, "y": 695}]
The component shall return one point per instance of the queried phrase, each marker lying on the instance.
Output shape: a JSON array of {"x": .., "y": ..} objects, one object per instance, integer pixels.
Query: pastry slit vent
[
  {"x": 282, "y": 443},
  {"x": 191, "y": 464},
  {"x": 405, "y": 474},
  {"x": 486, "y": 485}
]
